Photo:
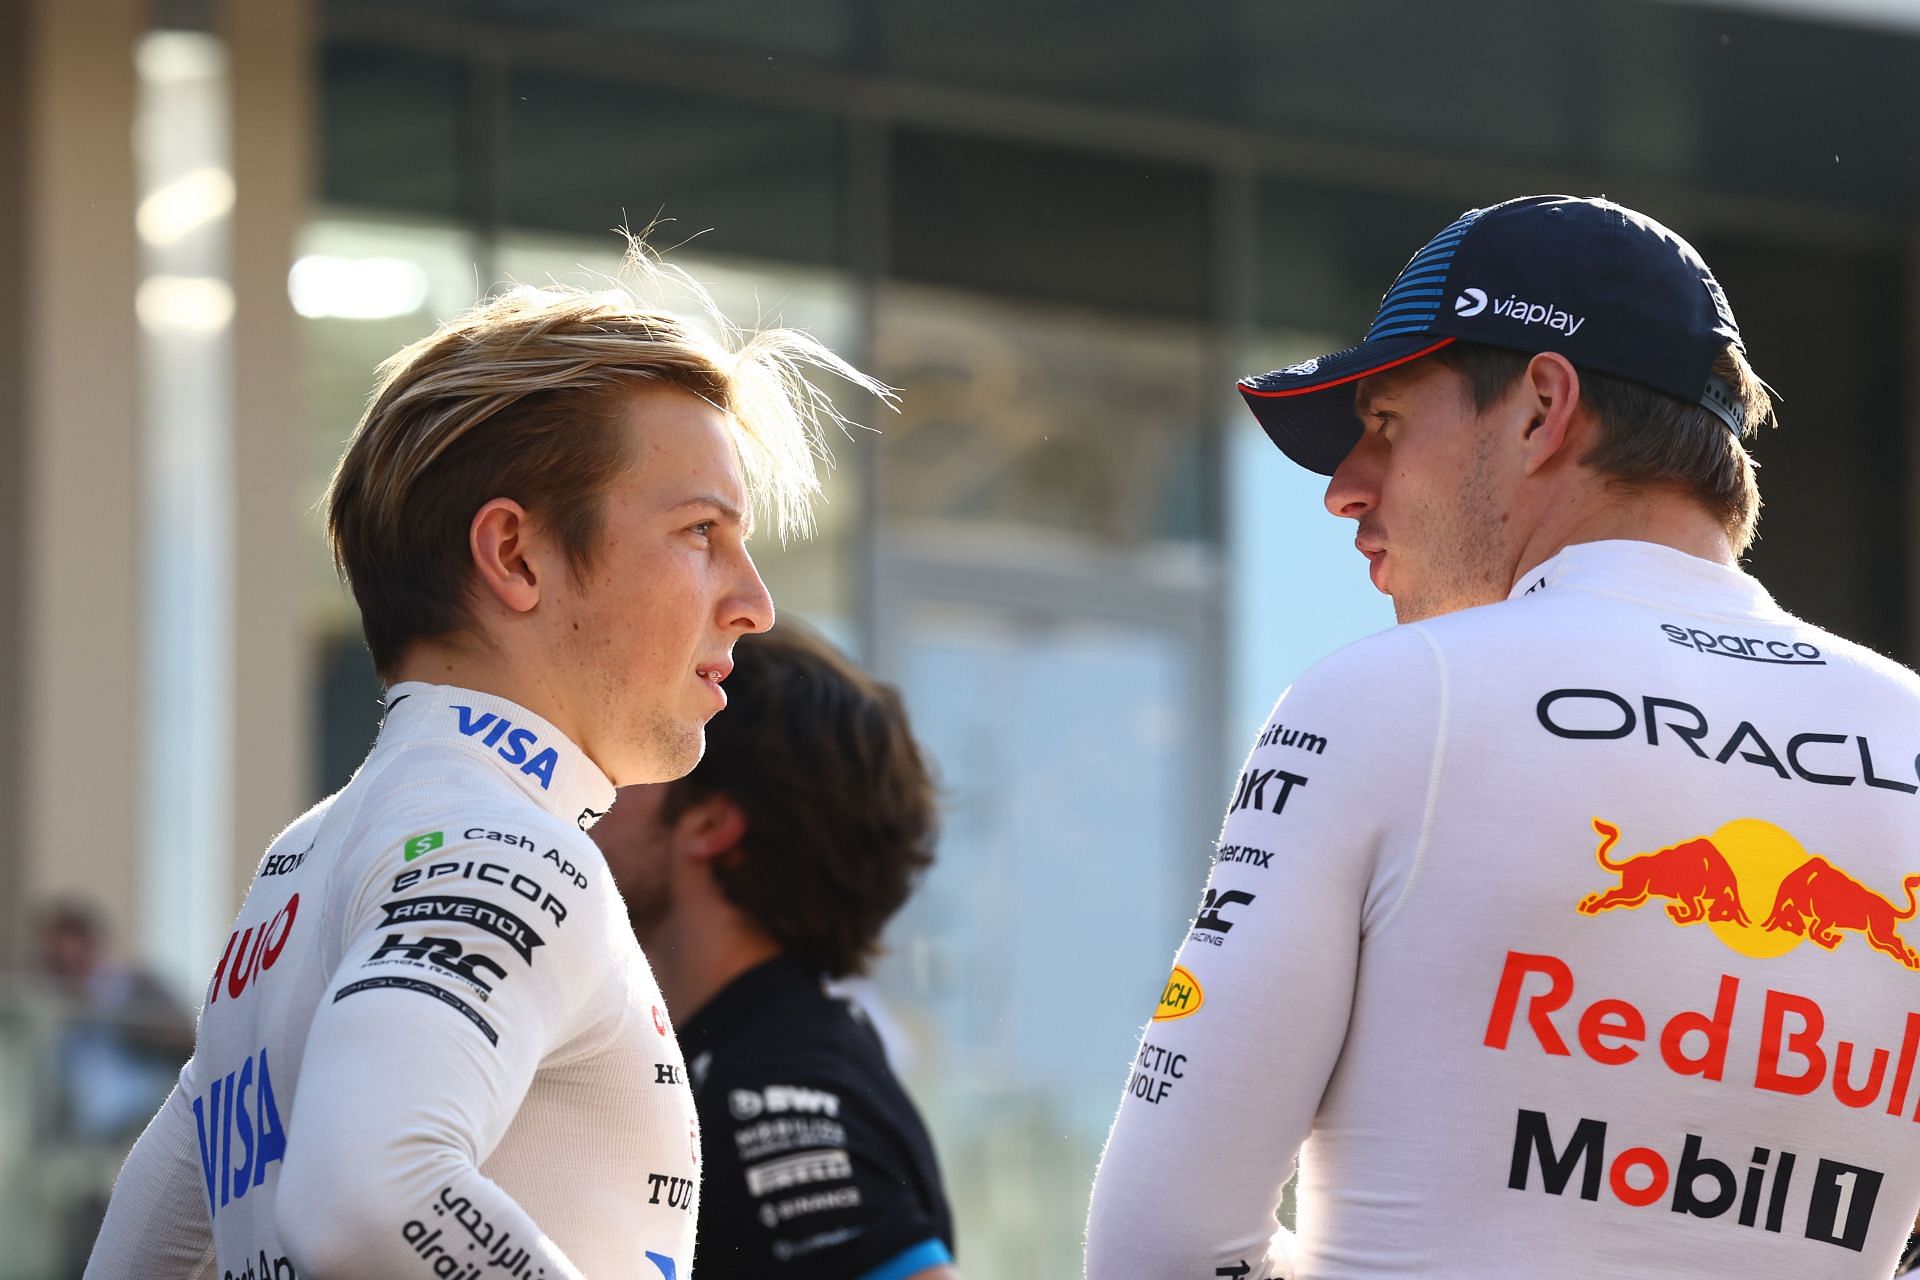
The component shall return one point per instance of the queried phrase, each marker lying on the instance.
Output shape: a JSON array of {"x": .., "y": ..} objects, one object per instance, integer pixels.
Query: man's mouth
[{"x": 1376, "y": 561}]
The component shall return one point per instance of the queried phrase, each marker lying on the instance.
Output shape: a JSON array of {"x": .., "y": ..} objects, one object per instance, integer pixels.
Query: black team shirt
[{"x": 814, "y": 1163}]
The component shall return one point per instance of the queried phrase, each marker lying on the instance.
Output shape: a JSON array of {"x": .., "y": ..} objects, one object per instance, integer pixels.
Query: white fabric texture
[
  {"x": 432, "y": 1046},
  {"x": 1565, "y": 936}
]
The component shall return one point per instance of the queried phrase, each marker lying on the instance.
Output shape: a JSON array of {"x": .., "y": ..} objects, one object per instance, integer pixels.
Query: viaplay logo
[{"x": 1719, "y": 880}]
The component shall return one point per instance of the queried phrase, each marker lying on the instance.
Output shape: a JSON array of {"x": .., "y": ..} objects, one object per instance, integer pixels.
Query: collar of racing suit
[
  {"x": 1649, "y": 571},
  {"x": 540, "y": 760}
]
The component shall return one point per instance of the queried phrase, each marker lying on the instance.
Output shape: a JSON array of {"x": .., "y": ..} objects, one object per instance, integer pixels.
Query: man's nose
[
  {"x": 1354, "y": 489},
  {"x": 750, "y": 607}
]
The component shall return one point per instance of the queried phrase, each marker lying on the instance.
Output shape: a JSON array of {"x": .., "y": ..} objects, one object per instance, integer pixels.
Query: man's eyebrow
[{"x": 730, "y": 512}]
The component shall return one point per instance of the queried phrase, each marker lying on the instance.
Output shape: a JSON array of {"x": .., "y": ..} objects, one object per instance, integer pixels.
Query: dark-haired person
[
  {"x": 430, "y": 1046},
  {"x": 1565, "y": 929},
  {"x": 774, "y": 864}
]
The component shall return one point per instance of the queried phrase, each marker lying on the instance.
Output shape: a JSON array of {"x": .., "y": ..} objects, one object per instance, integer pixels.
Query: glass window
[
  {"x": 393, "y": 125},
  {"x": 1019, "y": 415},
  {"x": 1049, "y": 223},
  {"x": 1025, "y": 963},
  {"x": 365, "y": 287},
  {"x": 581, "y": 155}
]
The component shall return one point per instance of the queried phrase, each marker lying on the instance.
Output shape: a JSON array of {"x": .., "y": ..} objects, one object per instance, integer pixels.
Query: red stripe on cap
[{"x": 1352, "y": 377}]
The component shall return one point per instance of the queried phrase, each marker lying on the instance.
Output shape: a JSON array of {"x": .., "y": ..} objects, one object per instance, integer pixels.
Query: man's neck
[
  {"x": 1667, "y": 519},
  {"x": 696, "y": 955},
  {"x": 484, "y": 670}
]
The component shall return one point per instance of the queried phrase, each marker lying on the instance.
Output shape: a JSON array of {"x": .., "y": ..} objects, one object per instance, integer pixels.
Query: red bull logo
[{"x": 1713, "y": 879}]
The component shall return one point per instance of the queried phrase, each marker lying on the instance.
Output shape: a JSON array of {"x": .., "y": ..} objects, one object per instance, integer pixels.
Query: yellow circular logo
[{"x": 1182, "y": 997}]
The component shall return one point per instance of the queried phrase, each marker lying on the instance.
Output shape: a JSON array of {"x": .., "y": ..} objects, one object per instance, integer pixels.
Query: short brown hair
[
  {"x": 1648, "y": 437},
  {"x": 520, "y": 397},
  {"x": 839, "y": 804}
]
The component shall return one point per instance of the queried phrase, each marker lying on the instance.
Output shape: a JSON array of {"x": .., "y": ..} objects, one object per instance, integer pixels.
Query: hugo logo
[
  {"x": 252, "y": 951},
  {"x": 516, "y": 746}
]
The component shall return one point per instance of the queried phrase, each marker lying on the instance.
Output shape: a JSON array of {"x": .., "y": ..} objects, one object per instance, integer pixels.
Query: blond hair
[{"x": 521, "y": 397}]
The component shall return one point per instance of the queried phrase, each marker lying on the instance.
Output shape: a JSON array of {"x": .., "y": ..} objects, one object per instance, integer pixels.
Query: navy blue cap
[{"x": 1610, "y": 289}]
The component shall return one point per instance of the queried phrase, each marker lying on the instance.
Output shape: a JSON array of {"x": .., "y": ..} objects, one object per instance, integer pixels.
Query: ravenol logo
[
  {"x": 423, "y": 844},
  {"x": 1713, "y": 879}
]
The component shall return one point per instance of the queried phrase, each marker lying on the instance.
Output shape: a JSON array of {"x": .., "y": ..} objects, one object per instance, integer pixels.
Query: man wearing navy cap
[{"x": 1568, "y": 929}]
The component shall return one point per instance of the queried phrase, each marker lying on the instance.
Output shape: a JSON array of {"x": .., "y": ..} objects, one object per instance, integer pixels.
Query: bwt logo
[
  {"x": 781, "y": 1099},
  {"x": 517, "y": 746}
]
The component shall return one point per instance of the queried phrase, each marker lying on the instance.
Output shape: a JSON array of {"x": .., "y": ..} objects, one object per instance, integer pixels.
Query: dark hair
[
  {"x": 839, "y": 805},
  {"x": 1648, "y": 437}
]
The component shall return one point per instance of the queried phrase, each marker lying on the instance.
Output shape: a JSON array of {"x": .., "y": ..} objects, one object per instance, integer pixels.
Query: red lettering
[
  {"x": 225, "y": 956},
  {"x": 1611, "y": 1018},
  {"x": 284, "y": 920},
  {"x": 237, "y": 980},
  {"x": 1641, "y": 1158},
  {"x": 1712, "y": 1063},
  {"x": 1506, "y": 1001},
  {"x": 1843, "y": 1072},
  {"x": 1805, "y": 1042},
  {"x": 1903, "y": 1074}
]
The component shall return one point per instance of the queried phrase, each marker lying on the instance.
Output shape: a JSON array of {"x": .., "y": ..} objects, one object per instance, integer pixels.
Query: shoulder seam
[{"x": 1442, "y": 716}]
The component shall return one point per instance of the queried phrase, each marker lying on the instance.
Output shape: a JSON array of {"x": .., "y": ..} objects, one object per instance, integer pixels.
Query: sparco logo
[{"x": 1746, "y": 648}]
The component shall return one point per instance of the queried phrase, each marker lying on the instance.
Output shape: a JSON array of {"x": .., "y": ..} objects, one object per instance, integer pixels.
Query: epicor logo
[
  {"x": 1471, "y": 302},
  {"x": 1182, "y": 997},
  {"x": 1720, "y": 879}
]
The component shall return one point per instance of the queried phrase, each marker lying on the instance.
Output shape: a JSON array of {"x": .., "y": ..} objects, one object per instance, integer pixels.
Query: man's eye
[{"x": 704, "y": 528}]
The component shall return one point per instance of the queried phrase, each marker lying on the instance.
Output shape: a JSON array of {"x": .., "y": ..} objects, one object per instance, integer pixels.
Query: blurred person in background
[
  {"x": 1564, "y": 928},
  {"x": 431, "y": 1045},
  {"x": 774, "y": 865},
  {"x": 119, "y": 1043},
  {"x": 124, "y": 1036}
]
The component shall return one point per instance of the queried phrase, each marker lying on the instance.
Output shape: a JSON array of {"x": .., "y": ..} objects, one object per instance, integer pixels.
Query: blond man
[{"x": 431, "y": 1046}]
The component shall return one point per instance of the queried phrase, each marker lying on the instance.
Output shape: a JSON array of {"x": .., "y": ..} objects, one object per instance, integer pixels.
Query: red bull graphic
[
  {"x": 1710, "y": 880},
  {"x": 1818, "y": 898},
  {"x": 1694, "y": 874}
]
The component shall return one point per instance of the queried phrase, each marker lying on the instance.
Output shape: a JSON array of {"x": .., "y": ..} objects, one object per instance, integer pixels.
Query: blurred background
[{"x": 1062, "y": 229}]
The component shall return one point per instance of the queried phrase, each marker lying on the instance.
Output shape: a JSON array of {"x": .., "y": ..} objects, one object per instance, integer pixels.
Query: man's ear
[
  {"x": 500, "y": 542},
  {"x": 1550, "y": 392},
  {"x": 712, "y": 826}
]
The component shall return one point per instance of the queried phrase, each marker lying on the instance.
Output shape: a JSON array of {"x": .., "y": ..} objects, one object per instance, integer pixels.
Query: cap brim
[{"x": 1307, "y": 410}]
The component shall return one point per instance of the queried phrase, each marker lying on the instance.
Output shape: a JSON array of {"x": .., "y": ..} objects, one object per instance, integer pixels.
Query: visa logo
[
  {"x": 239, "y": 1105},
  {"x": 514, "y": 745}
]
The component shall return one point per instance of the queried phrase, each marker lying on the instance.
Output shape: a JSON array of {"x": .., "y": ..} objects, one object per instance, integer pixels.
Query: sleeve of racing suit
[
  {"x": 1231, "y": 1069},
  {"x": 421, "y": 1050},
  {"x": 156, "y": 1222}
]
